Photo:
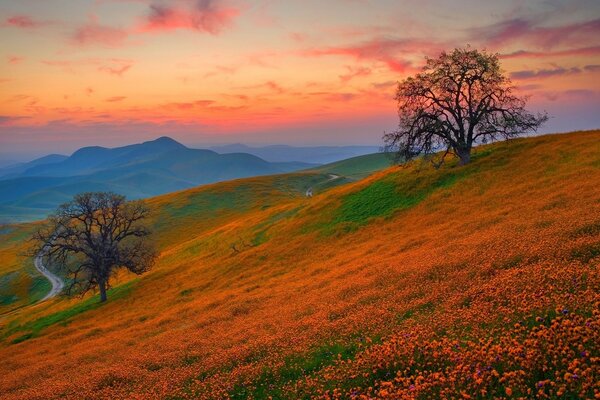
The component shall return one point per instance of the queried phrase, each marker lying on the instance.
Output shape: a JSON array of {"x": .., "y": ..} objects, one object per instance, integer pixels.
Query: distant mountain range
[
  {"x": 31, "y": 190},
  {"x": 314, "y": 155}
]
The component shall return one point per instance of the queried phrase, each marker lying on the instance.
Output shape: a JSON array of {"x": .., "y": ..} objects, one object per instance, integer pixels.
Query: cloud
[
  {"x": 355, "y": 72},
  {"x": 112, "y": 66},
  {"x": 392, "y": 52},
  {"x": 335, "y": 96},
  {"x": 271, "y": 86},
  {"x": 116, "y": 67},
  {"x": 523, "y": 30},
  {"x": 93, "y": 33},
  {"x": 190, "y": 105},
  {"x": 384, "y": 85},
  {"x": 7, "y": 120},
  {"x": 556, "y": 71},
  {"x": 209, "y": 16},
  {"x": 22, "y": 21},
  {"x": 15, "y": 60},
  {"x": 115, "y": 99},
  {"x": 579, "y": 51}
]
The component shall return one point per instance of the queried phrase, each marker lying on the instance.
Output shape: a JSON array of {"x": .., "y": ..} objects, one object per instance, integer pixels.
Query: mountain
[
  {"x": 137, "y": 171},
  {"x": 19, "y": 168},
  {"x": 474, "y": 281},
  {"x": 88, "y": 160},
  {"x": 314, "y": 155}
]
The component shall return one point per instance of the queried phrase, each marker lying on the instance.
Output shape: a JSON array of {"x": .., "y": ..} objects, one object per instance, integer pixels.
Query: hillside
[
  {"x": 137, "y": 171},
  {"x": 308, "y": 154},
  {"x": 479, "y": 281}
]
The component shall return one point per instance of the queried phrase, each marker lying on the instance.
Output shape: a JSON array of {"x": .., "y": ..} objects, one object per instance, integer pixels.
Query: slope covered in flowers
[{"x": 465, "y": 282}]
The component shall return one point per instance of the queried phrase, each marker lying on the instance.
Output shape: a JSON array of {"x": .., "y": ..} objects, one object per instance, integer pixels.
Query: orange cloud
[
  {"x": 15, "y": 60},
  {"x": 115, "y": 99}
]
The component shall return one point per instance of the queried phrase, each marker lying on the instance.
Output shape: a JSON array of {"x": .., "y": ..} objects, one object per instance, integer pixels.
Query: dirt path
[
  {"x": 57, "y": 283},
  {"x": 332, "y": 177}
]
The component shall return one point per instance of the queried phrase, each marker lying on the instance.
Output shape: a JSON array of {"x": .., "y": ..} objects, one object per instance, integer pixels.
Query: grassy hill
[
  {"x": 479, "y": 281},
  {"x": 357, "y": 167}
]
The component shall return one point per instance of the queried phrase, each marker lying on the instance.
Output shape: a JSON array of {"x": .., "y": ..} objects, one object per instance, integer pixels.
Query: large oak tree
[
  {"x": 94, "y": 235},
  {"x": 459, "y": 99}
]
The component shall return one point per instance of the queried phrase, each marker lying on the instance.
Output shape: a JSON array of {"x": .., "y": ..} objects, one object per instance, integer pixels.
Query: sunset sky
[{"x": 111, "y": 72}]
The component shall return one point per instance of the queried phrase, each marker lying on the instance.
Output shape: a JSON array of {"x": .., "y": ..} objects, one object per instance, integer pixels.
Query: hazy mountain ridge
[
  {"x": 309, "y": 154},
  {"x": 139, "y": 170}
]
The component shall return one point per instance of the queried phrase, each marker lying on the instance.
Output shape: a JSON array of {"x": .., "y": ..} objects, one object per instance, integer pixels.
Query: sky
[{"x": 113, "y": 72}]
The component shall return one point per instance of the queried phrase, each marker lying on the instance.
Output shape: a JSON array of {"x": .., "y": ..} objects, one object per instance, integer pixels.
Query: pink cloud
[
  {"x": 208, "y": 16},
  {"x": 116, "y": 67},
  {"x": 92, "y": 33},
  {"x": 355, "y": 72},
  {"x": 22, "y": 21},
  {"x": 520, "y": 30},
  {"x": 112, "y": 66},
  {"x": 391, "y": 52},
  {"x": 15, "y": 60}
]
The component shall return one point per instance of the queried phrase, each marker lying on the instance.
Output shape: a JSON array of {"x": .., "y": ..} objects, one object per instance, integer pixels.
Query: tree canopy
[
  {"x": 94, "y": 235},
  {"x": 459, "y": 99}
]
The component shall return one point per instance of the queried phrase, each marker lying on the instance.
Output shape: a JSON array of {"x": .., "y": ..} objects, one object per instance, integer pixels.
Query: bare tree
[
  {"x": 94, "y": 235},
  {"x": 459, "y": 99}
]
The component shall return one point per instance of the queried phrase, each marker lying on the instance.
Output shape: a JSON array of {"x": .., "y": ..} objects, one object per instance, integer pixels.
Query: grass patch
[
  {"x": 39, "y": 287},
  {"x": 33, "y": 328},
  {"x": 592, "y": 229},
  {"x": 586, "y": 253},
  {"x": 358, "y": 167},
  {"x": 270, "y": 383},
  {"x": 420, "y": 309},
  {"x": 384, "y": 197}
]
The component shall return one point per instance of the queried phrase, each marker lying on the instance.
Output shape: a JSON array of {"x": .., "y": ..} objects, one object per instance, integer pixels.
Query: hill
[
  {"x": 19, "y": 168},
  {"x": 357, "y": 167},
  {"x": 137, "y": 171},
  {"x": 308, "y": 154},
  {"x": 478, "y": 281}
]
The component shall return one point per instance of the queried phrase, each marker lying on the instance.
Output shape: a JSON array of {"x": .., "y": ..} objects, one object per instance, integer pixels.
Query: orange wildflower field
[{"x": 462, "y": 282}]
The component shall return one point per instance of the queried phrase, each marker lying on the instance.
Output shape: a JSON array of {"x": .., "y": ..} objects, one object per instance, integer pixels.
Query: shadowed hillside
[{"x": 410, "y": 283}]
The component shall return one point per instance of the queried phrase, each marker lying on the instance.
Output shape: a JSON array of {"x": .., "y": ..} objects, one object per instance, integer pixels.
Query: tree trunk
[
  {"x": 102, "y": 286},
  {"x": 464, "y": 154}
]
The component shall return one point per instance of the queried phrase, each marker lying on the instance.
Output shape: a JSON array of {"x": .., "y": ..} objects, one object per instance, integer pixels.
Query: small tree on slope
[
  {"x": 459, "y": 99},
  {"x": 94, "y": 235}
]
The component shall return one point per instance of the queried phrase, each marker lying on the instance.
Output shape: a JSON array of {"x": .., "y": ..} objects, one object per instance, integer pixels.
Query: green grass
[
  {"x": 269, "y": 383},
  {"x": 357, "y": 167},
  {"x": 39, "y": 287},
  {"x": 34, "y": 328},
  {"x": 586, "y": 253},
  {"x": 384, "y": 197},
  {"x": 592, "y": 229}
]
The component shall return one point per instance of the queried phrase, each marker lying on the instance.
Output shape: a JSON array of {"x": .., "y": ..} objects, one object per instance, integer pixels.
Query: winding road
[
  {"x": 57, "y": 283},
  {"x": 332, "y": 177}
]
